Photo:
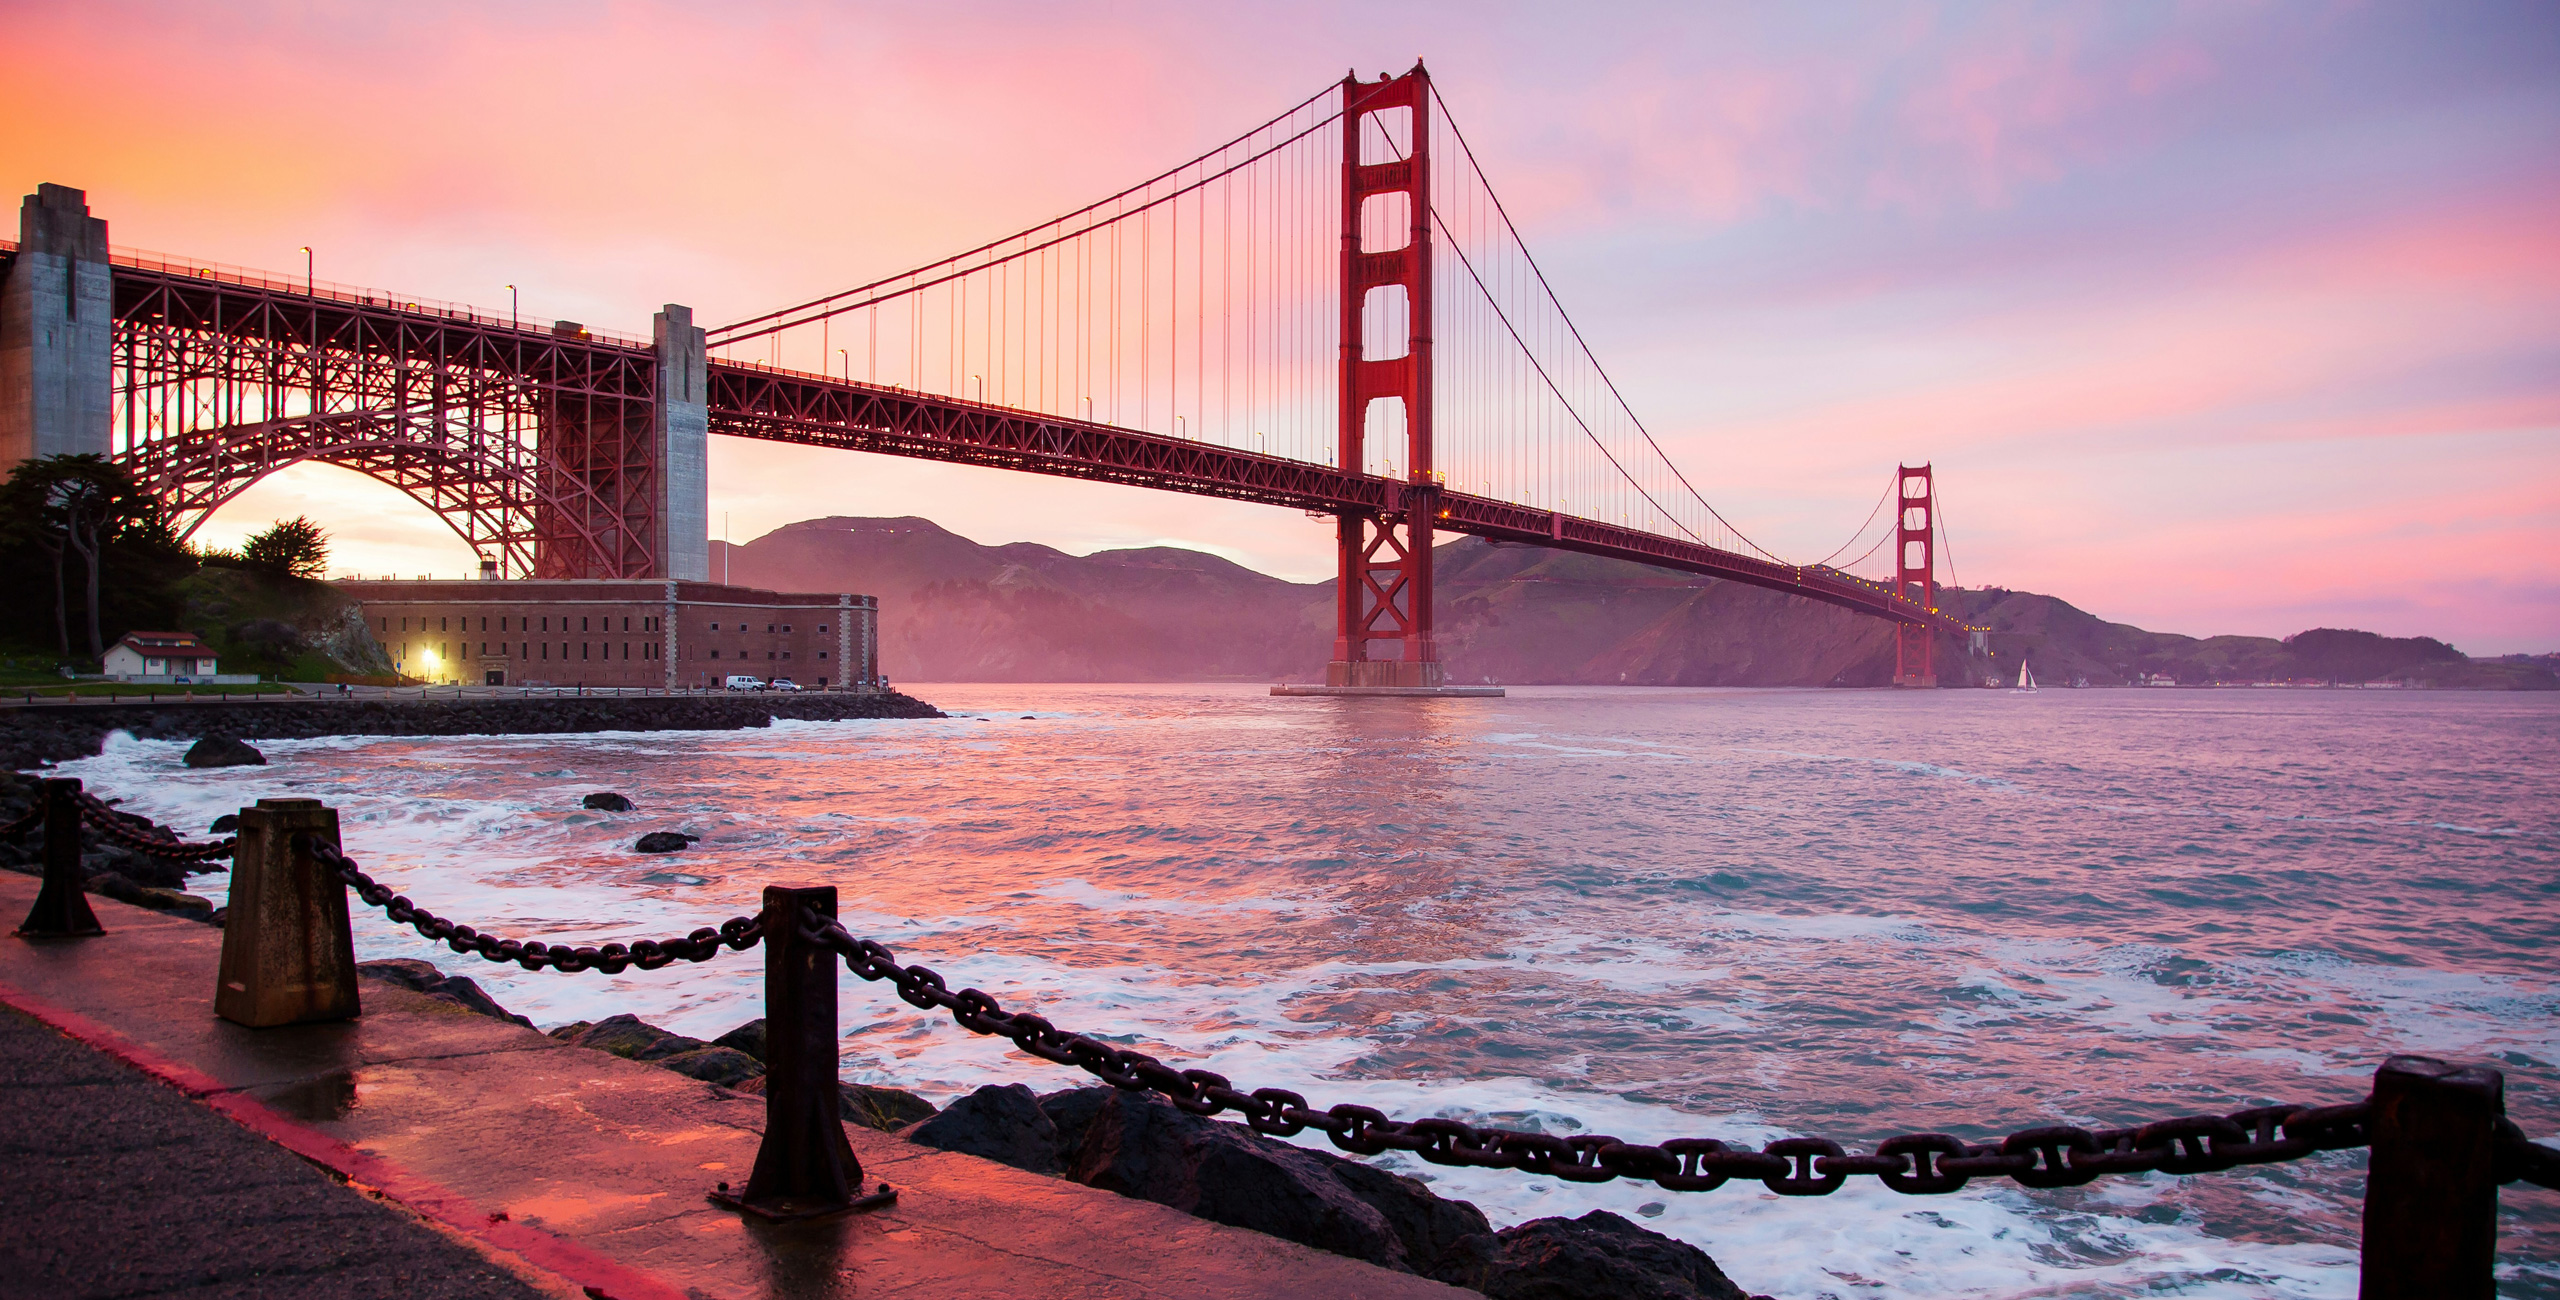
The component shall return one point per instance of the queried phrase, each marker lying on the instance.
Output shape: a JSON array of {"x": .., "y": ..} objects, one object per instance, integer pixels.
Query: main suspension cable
[
  {"x": 1889, "y": 486},
  {"x": 1576, "y": 332},
  {"x": 740, "y": 331}
]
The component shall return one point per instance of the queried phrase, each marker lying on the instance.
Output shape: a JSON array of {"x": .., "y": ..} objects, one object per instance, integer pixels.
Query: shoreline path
[{"x": 119, "y": 1185}]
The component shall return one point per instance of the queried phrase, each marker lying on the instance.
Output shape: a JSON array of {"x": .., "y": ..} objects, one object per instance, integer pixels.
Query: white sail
[{"x": 2026, "y": 679}]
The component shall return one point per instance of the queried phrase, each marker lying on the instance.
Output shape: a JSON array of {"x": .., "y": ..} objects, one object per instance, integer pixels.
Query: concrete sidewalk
[
  {"x": 593, "y": 1169},
  {"x": 118, "y": 1185}
]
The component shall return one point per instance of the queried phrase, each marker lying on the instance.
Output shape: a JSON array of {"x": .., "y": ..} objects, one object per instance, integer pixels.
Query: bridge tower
[
  {"x": 1915, "y": 573},
  {"x": 1383, "y": 589},
  {"x": 57, "y": 332}
]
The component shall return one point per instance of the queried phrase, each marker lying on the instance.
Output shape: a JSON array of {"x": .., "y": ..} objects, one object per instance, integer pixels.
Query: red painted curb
[{"x": 601, "y": 1278}]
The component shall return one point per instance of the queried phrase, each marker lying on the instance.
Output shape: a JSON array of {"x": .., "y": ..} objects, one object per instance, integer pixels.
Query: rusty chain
[
  {"x": 1912, "y": 1163},
  {"x": 2521, "y": 1159},
  {"x": 1915, "y": 1163},
  {"x": 736, "y": 934},
  {"x": 120, "y": 827}
]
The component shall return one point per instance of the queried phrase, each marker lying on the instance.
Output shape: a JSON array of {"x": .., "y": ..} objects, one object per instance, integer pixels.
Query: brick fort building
[{"x": 665, "y": 634}]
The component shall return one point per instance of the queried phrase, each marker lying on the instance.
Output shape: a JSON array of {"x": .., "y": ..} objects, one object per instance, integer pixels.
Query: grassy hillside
[
  {"x": 281, "y": 628},
  {"x": 289, "y": 629}
]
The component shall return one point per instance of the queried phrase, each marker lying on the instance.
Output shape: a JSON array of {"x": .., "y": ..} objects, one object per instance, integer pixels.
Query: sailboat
[{"x": 2026, "y": 679}]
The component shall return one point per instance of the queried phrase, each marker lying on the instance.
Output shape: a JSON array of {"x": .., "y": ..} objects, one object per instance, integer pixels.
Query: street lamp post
[
  {"x": 515, "y": 319},
  {"x": 310, "y": 284},
  {"x": 848, "y": 363}
]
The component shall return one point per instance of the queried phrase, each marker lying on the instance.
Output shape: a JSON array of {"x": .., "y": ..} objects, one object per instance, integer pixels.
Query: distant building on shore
[
  {"x": 160, "y": 656},
  {"x": 614, "y": 632}
]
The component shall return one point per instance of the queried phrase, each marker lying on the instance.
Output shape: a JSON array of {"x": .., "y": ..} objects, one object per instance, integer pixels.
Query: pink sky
[{"x": 2214, "y": 318}]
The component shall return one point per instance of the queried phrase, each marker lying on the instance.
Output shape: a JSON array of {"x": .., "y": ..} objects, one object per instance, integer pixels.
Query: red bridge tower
[
  {"x": 1915, "y": 574},
  {"x": 1384, "y": 590}
]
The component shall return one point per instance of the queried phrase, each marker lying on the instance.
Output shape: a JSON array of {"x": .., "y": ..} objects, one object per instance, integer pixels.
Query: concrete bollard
[
  {"x": 288, "y": 956},
  {"x": 2431, "y": 1191},
  {"x": 62, "y": 909},
  {"x": 804, "y": 1168}
]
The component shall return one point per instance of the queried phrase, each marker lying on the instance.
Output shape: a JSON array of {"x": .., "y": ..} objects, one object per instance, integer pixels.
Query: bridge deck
[{"x": 753, "y": 401}]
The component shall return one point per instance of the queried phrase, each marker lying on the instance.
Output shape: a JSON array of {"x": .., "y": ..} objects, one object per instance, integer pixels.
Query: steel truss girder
[{"x": 536, "y": 448}]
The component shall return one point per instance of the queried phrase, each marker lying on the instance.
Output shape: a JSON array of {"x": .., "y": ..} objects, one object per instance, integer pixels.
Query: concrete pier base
[{"x": 1450, "y": 692}]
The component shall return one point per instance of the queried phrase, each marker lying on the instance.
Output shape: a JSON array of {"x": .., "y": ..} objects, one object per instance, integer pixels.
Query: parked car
[
  {"x": 782, "y": 684},
  {"x": 743, "y": 682}
]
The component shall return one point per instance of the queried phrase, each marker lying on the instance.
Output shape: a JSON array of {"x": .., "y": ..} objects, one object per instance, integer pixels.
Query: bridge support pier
[
  {"x": 57, "y": 332},
  {"x": 1382, "y": 587},
  {"x": 1384, "y": 594}
]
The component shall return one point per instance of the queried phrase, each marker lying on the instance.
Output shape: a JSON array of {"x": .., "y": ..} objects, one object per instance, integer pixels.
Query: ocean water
[{"x": 1648, "y": 913}]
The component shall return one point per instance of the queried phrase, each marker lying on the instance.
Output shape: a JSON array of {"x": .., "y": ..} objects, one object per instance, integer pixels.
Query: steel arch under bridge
[{"x": 534, "y": 446}]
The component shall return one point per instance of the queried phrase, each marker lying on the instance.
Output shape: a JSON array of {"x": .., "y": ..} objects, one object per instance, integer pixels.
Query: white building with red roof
[{"x": 143, "y": 656}]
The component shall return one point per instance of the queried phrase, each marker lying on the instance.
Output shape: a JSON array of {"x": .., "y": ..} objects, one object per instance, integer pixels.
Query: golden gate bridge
[{"x": 1331, "y": 312}]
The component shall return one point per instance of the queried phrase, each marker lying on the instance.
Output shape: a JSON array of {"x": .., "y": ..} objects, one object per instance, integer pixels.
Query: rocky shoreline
[
  {"x": 1135, "y": 1144},
  {"x": 109, "y": 869},
  {"x": 33, "y": 735},
  {"x": 1142, "y": 1146}
]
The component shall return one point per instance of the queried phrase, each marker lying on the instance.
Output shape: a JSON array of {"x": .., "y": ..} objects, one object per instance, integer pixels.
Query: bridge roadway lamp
[{"x": 309, "y": 284}]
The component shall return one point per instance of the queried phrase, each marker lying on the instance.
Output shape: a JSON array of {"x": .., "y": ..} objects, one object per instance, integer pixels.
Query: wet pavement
[
  {"x": 580, "y": 1166},
  {"x": 118, "y": 1185}
]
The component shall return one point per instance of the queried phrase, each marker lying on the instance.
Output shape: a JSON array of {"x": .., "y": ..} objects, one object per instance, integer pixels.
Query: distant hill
[{"x": 954, "y": 610}]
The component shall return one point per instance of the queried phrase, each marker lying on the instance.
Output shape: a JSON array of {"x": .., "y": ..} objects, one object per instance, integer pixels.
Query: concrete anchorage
[{"x": 57, "y": 332}]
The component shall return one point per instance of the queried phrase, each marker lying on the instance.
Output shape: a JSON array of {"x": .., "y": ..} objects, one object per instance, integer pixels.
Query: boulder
[
  {"x": 1142, "y": 1146},
  {"x": 1443, "y": 1239},
  {"x": 886, "y": 1109},
  {"x": 606, "y": 801},
  {"x": 1146, "y": 1148},
  {"x": 1072, "y": 1110},
  {"x": 1601, "y": 1257},
  {"x": 106, "y": 857},
  {"x": 224, "y": 824},
  {"x": 466, "y": 992},
  {"x": 747, "y": 1038},
  {"x": 628, "y": 1037},
  {"x": 424, "y": 977},
  {"x": 125, "y": 889},
  {"x": 407, "y": 972},
  {"x": 1003, "y": 1124},
  {"x": 224, "y": 751},
  {"x": 664, "y": 841},
  {"x": 725, "y": 1066}
]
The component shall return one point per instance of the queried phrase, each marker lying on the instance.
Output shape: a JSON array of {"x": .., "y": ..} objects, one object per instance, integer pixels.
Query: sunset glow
[{"x": 2213, "y": 319}]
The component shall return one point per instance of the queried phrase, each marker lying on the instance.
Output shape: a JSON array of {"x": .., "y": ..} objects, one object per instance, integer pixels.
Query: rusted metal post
[
  {"x": 2431, "y": 1196},
  {"x": 61, "y": 910},
  {"x": 805, "y": 1167},
  {"x": 288, "y": 955}
]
